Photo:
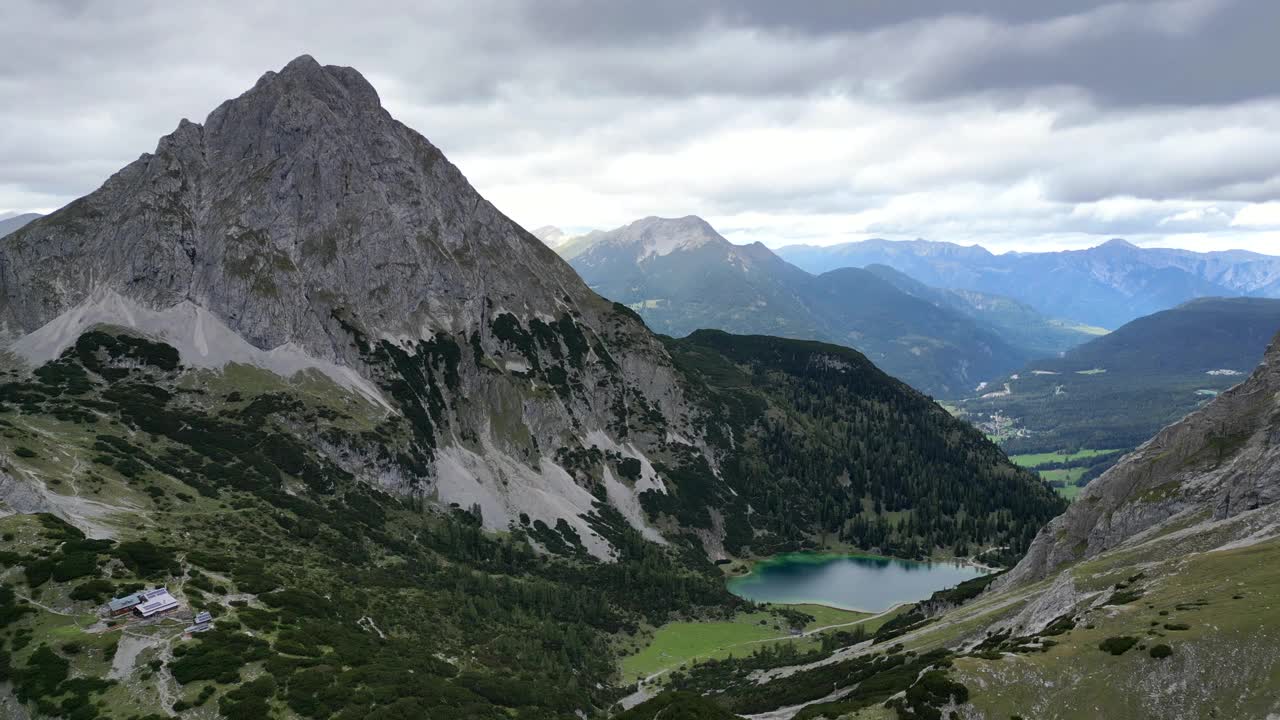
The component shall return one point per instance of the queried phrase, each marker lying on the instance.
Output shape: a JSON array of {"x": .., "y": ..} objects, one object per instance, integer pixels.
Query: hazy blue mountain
[
  {"x": 1116, "y": 391},
  {"x": 1107, "y": 285},
  {"x": 1017, "y": 322},
  {"x": 681, "y": 275},
  {"x": 14, "y": 222}
]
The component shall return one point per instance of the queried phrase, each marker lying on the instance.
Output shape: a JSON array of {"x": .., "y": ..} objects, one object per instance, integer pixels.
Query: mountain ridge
[
  {"x": 13, "y": 223},
  {"x": 1214, "y": 465},
  {"x": 1106, "y": 285},
  {"x": 301, "y": 228},
  {"x": 681, "y": 275}
]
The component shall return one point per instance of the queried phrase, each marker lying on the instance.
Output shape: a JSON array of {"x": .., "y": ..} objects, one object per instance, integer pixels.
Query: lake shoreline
[
  {"x": 872, "y": 613},
  {"x": 848, "y": 581}
]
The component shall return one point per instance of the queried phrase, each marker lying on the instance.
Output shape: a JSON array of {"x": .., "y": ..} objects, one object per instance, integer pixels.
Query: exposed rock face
[
  {"x": 300, "y": 198},
  {"x": 1217, "y": 463},
  {"x": 301, "y": 229},
  {"x": 302, "y": 226}
]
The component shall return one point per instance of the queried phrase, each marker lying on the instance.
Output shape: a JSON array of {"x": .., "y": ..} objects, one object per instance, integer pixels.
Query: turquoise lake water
[{"x": 853, "y": 582}]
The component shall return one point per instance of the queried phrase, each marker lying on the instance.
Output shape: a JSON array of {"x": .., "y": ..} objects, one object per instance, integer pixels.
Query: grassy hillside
[{"x": 1159, "y": 630}]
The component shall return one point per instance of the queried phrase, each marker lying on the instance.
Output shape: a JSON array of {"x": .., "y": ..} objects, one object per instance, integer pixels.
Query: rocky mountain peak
[
  {"x": 1118, "y": 244},
  {"x": 301, "y": 227},
  {"x": 649, "y": 238},
  {"x": 294, "y": 204},
  {"x": 303, "y": 96}
]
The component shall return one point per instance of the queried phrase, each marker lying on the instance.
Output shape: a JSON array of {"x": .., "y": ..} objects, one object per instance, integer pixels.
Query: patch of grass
[
  {"x": 1034, "y": 460},
  {"x": 1069, "y": 492},
  {"x": 1161, "y": 492},
  {"x": 680, "y": 643},
  {"x": 1076, "y": 679}
]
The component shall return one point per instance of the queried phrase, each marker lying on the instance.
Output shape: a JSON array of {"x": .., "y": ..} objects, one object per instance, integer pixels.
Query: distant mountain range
[
  {"x": 1018, "y": 323},
  {"x": 1107, "y": 285},
  {"x": 681, "y": 275},
  {"x": 15, "y": 222},
  {"x": 1117, "y": 390}
]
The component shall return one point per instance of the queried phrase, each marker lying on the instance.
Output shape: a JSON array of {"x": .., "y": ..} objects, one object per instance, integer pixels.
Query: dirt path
[
  {"x": 824, "y": 628},
  {"x": 863, "y": 647}
]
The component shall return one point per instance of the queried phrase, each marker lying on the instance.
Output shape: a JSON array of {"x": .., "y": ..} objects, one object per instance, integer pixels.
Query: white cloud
[
  {"x": 1260, "y": 215},
  {"x": 967, "y": 126}
]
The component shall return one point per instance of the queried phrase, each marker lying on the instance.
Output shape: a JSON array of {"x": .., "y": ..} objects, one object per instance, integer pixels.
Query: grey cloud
[
  {"x": 1230, "y": 57},
  {"x": 525, "y": 92},
  {"x": 595, "y": 23}
]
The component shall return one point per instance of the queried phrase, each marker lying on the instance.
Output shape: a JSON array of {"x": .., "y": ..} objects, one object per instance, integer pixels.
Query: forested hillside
[
  {"x": 1116, "y": 391},
  {"x": 822, "y": 442}
]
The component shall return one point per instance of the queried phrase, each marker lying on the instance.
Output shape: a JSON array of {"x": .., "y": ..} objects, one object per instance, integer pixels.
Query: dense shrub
[
  {"x": 74, "y": 566},
  {"x": 10, "y": 610},
  {"x": 1118, "y": 645},
  {"x": 147, "y": 560},
  {"x": 249, "y": 701},
  {"x": 94, "y": 591},
  {"x": 218, "y": 655},
  {"x": 1161, "y": 651}
]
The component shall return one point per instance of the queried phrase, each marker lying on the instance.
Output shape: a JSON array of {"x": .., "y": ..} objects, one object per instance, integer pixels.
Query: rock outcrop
[
  {"x": 303, "y": 231},
  {"x": 301, "y": 226},
  {"x": 1217, "y": 463}
]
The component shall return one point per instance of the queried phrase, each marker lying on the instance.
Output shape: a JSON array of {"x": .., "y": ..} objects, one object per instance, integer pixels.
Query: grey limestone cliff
[
  {"x": 301, "y": 226},
  {"x": 1218, "y": 463}
]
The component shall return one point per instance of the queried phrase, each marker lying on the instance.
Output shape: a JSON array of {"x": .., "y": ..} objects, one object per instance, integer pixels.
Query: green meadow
[
  {"x": 1035, "y": 460},
  {"x": 680, "y": 643}
]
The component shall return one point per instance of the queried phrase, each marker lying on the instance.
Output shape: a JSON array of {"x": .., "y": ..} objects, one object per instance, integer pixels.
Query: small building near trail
[
  {"x": 202, "y": 622},
  {"x": 155, "y": 602},
  {"x": 123, "y": 605}
]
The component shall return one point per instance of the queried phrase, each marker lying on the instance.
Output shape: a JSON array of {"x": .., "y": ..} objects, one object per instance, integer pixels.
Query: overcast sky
[{"x": 1017, "y": 124}]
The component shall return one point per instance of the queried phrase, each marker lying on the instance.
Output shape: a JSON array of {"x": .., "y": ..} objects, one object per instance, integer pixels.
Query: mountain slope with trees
[
  {"x": 1018, "y": 323},
  {"x": 681, "y": 275},
  {"x": 1153, "y": 595},
  {"x": 1117, "y": 390},
  {"x": 294, "y": 368}
]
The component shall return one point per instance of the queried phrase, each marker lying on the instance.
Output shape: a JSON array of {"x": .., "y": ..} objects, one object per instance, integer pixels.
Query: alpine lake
[{"x": 866, "y": 583}]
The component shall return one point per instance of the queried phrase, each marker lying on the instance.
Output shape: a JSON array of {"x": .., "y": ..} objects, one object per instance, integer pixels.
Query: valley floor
[{"x": 676, "y": 645}]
